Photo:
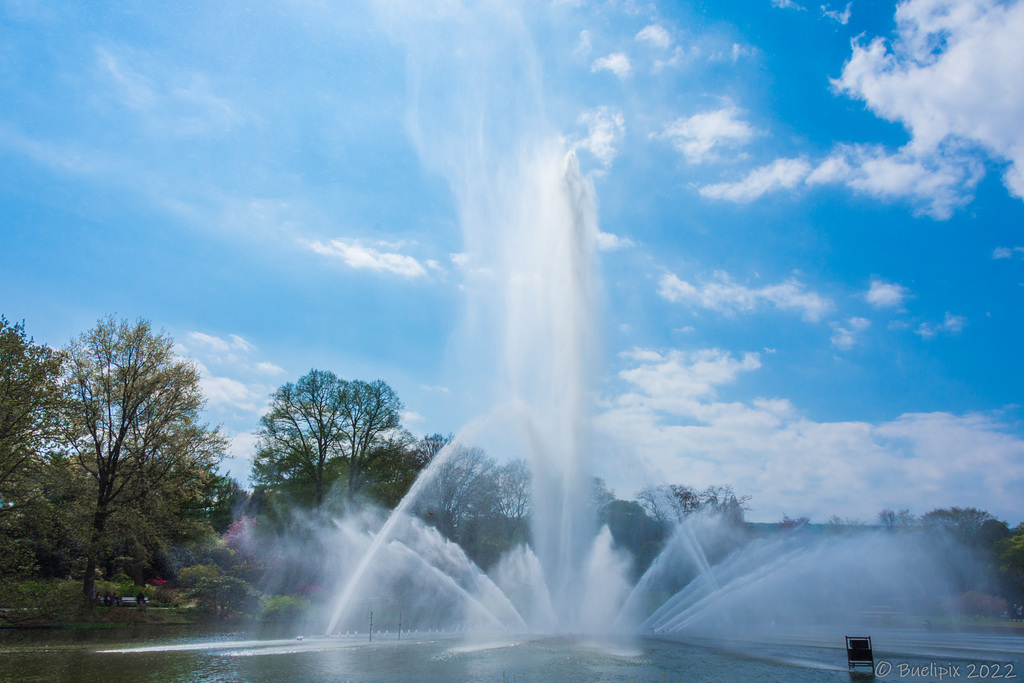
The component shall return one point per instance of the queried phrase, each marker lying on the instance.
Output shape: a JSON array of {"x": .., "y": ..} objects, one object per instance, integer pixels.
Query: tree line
[{"x": 108, "y": 470}]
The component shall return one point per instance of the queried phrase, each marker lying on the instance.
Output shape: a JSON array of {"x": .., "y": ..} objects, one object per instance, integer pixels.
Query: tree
[
  {"x": 512, "y": 504},
  {"x": 28, "y": 400},
  {"x": 896, "y": 519},
  {"x": 672, "y": 503},
  {"x": 963, "y": 523},
  {"x": 393, "y": 468},
  {"x": 324, "y": 429},
  {"x": 429, "y": 446},
  {"x": 791, "y": 524},
  {"x": 300, "y": 447},
  {"x": 132, "y": 422},
  {"x": 372, "y": 413},
  {"x": 462, "y": 487}
]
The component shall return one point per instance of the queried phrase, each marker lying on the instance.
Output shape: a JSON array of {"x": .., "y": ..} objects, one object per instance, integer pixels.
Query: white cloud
[
  {"x": 213, "y": 343},
  {"x": 701, "y": 135},
  {"x": 786, "y": 4},
  {"x": 358, "y": 256},
  {"x": 269, "y": 368},
  {"x": 604, "y": 128},
  {"x": 936, "y": 184},
  {"x": 617, "y": 63},
  {"x": 583, "y": 46},
  {"x": 656, "y": 36},
  {"x": 606, "y": 241},
  {"x": 726, "y": 296},
  {"x": 677, "y": 378},
  {"x": 845, "y": 336},
  {"x": 242, "y": 446},
  {"x": 1006, "y": 252},
  {"x": 411, "y": 417},
  {"x": 172, "y": 102},
  {"x": 886, "y": 294},
  {"x": 837, "y": 16},
  {"x": 780, "y": 174},
  {"x": 225, "y": 391},
  {"x": 669, "y": 416},
  {"x": 946, "y": 77},
  {"x": 953, "y": 324}
]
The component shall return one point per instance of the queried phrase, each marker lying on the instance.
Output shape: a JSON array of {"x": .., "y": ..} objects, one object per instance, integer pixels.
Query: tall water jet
[{"x": 530, "y": 228}]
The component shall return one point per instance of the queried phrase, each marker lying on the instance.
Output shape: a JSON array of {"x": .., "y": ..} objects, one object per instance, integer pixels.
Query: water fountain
[{"x": 530, "y": 229}]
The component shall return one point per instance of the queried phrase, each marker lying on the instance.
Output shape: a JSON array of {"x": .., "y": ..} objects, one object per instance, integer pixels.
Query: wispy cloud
[
  {"x": 786, "y": 4},
  {"x": 700, "y": 136},
  {"x": 173, "y": 102},
  {"x": 886, "y": 294},
  {"x": 936, "y": 184},
  {"x": 218, "y": 344},
  {"x": 1006, "y": 252},
  {"x": 655, "y": 35},
  {"x": 845, "y": 334},
  {"x": 606, "y": 241},
  {"x": 780, "y": 174},
  {"x": 605, "y": 127},
  {"x": 231, "y": 381},
  {"x": 358, "y": 256},
  {"x": 618, "y": 63},
  {"x": 583, "y": 46},
  {"x": 725, "y": 296},
  {"x": 952, "y": 324},
  {"x": 842, "y": 17}
]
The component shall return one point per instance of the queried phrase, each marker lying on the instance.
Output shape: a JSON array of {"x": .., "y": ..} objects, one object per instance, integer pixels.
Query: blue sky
[{"x": 812, "y": 258}]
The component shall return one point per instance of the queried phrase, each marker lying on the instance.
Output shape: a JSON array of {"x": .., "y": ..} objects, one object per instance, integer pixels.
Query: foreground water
[{"x": 163, "y": 654}]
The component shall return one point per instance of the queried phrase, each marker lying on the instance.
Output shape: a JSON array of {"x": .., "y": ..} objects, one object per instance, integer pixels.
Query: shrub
[
  {"x": 190, "y": 577},
  {"x": 284, "y": 608},
  {"x": 224, "y": 596}
]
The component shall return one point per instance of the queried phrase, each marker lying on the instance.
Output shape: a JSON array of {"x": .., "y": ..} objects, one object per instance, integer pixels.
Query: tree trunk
[{"x": 99, "y": 521}]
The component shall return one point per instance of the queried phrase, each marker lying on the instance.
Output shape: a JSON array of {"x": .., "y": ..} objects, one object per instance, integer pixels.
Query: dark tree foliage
[
  {"x": 300, "y": 448},
  {"x": 324, "y": 430},
  {"x": 633, "y": 530},
  {"x": 29, "y": 397},
  {"x": 964, "y": 524},
  {"x": 372, "y": 415}
]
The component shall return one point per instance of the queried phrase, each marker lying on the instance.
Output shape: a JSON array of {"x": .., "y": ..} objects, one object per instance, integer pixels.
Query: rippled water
[{"x": 148, "y": 654}]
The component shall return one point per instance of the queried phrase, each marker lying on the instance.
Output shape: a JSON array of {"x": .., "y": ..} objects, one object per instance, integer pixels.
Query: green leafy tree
[
  {"x": 1011, "y": 560},
  {"x": 132, "y": 423},
  {"x": 372, "y": 415},
  {"x": 394, "y": 468},
  {"x": 29, "y": 395},
  {"x": 323, "y": 429},
  {"x": 964, "y": 524},
  {"x": 300, "y": 447}
]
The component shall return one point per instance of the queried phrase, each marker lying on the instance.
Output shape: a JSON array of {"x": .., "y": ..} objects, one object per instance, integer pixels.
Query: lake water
[{"x": 192, "y": 654}]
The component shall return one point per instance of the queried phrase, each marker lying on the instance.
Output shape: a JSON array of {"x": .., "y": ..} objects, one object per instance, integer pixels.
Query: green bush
[
  {"x": 225, "y": 596},
  {"x": 284, "y": 608},
  {"x": 38, "y": 602},
  {"x": 190, "y": 577}
]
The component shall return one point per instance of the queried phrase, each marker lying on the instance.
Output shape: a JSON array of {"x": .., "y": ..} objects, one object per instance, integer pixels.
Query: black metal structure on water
[{"x": 859, "y": 653}]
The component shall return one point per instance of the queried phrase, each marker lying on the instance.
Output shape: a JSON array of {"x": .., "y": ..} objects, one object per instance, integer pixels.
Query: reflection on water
[{"x": 196, "y": 654}]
